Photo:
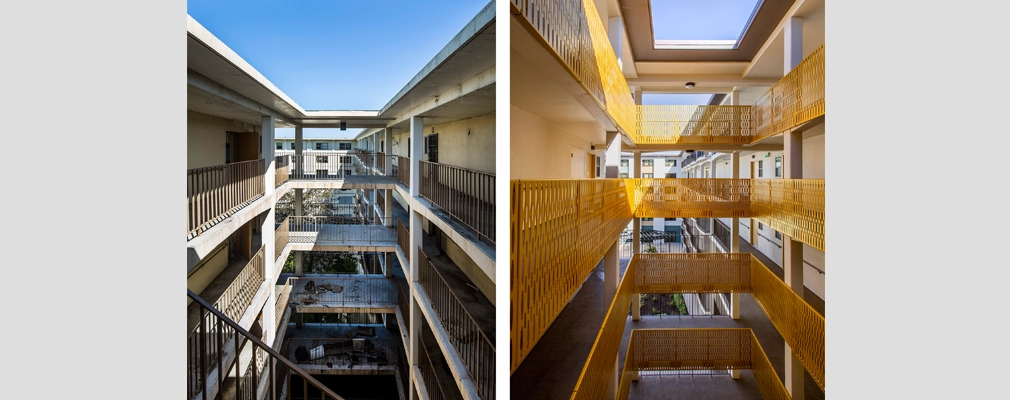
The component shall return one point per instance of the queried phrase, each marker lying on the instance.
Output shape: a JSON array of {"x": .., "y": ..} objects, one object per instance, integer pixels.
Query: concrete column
[
  {"x": 611, "y": 272},
  {"x": 269, "y": 267},
  {"x": 793, "y": 43},
  {"x": 416, "y": 142},
  {"x": 613, "y": 157},
  {"x": 387, "y": 140},
  {"x": 267, "y": 144},
  {"x": 387, "y": 209},
  {"x": 636, "y": 236},
  {"x": 298, "y": 162},
  {"x": 389, "y": 264},
  {"x": 792, "y": 259},
  {"x": 414, "y": 341},
  {"x": 298, "y": 263}
]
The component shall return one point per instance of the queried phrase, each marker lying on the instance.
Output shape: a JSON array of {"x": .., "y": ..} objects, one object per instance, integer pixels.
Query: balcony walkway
[
  {"x": 552, "y": 368},
  {"x": 385, "y": 341},
  {"x": 344, "y": 294}
]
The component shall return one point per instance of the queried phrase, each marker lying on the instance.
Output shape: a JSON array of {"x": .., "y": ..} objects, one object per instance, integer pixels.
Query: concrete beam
[{"x": 470, "y": 85}]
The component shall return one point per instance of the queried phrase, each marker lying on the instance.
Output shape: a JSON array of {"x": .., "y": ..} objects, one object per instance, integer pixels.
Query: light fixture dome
[{"x": 689, "y": 85}]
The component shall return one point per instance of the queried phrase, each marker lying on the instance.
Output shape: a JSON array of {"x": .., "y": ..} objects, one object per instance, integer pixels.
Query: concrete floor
[{"x": 552, "y": 368}]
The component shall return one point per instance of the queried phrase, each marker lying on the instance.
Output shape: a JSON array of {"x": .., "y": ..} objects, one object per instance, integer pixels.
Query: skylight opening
[{"x": 701, "y": 24}]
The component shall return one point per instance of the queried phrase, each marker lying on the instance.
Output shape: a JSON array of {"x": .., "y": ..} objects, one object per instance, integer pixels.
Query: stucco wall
[
  {"x": 206, "y": 137},
  {"x": 468, "y": 143},
  {"x": 469, "y": 268},
  {"x": 813, "y": 153},
  {"x": 204, "y": 274},
  {"x": 541, "y": 150}
]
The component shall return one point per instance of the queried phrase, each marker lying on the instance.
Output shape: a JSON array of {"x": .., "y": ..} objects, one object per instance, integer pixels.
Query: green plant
[{"x": 651, "y": 249}]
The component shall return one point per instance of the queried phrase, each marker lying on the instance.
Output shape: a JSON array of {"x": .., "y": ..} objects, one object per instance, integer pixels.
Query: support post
[{"x": 636, "y": 235}]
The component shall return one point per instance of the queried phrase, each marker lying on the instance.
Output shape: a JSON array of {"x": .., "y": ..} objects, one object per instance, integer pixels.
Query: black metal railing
[
  {"x": 467, "y": 195},
  {"x": 225, "y": 361}
]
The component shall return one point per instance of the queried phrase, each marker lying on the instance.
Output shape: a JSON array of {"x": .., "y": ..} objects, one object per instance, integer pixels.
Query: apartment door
[
  {"x": 242, "y": 146},
  {"x": 579, "y": 169}
]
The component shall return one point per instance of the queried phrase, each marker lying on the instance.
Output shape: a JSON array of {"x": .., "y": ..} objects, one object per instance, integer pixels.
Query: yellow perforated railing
[
  {"x": 560, "y": 230},
  {"x": 574, "y": 34},
  {"x": 699, "y": 349},
  {"x": 800, "y": 325},
  {"x": 794, "y": 207}
]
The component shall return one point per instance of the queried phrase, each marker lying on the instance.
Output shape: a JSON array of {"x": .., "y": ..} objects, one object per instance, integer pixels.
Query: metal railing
[
  {"x": 343, "y": 291},
  {"x": 402, "y": 170},
  {"x": 239, "y": 294},
  {"x": 403, "y": 239},
  {"x": 794, "y": 207},
  {"x": 689, "y": 197},
  {"x": 225, "y": 361},
  {"x": 697, "y": 349},
  {"x": 215, "y": 193},
  {"x": 282, "y": 168},
  {"x": 371, "y": 159},
  {"x": 467, "y": 195},
  {"x": 796, "y": 98},
  {"x": 354, "y": 230},
  {"x": 658, "y": 124},
  {"x": 333, "y": 166},
  {"x": 473, "y": 346},
  {"x": 281, "y": 305},
  {"x": 281, "y": 238},
  {"x": 403, "y": 303},
  {"x": 428, "y": 374}
]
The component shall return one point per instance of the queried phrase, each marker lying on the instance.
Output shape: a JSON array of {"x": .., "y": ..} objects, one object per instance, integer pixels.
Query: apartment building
[
  {"x": 415, "y": 319},
  {"x": 751, "y": 157}
]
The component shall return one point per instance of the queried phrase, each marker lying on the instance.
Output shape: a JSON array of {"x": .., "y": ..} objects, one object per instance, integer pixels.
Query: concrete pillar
[
  {"x": 636, "y": 236},
  {"x": 613, "y": 157},
  {"x": 387, "y": 140},
  {"x": 298, "y": 263},
  {"x": 298, "y": 162},
  {"x": 611, "y": 272},
  {"x": 389, "y": 264},
  {"x": 793, "y": 43},
  {"x": 387, "y": 209},
  {"x": 414, "y": 341},
  {"x": 267, "y": 144},
  {"x": 792, "y": 259},
  {"x": 416, "y": 142}
]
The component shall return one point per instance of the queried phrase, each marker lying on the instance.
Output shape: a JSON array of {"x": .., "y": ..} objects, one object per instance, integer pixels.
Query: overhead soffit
[{"x": 638, "y": 24}]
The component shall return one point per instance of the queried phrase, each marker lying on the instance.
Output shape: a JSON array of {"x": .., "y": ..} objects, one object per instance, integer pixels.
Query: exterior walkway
[{"x": 552, "y": 368}]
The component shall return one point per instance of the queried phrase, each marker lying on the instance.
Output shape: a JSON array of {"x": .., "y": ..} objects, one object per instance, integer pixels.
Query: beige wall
[
  {"x": 205, "y": 139},
  {"x": 468, "y": 143},
  {"x": 813, "y": 153},
  {"x": 541, "y": 150},
  {"x": 204, "y": 274}
]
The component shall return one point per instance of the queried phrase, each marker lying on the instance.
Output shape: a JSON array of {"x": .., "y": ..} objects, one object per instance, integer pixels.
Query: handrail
[
  {"x": 370, "y": 230},
  {"x": 282, "y": 166},
  {"x": 428, "y": 374},
  {"x": 403, "y": 239},
  {"x": 281, "y": 305},
  {"x": 217, "y": 192},
  {"x": 281, "y": 237},
  {"x": 334, "y": 166},
  {"x": 343, "y": 291},
  {"x": 465, "y": 194},
  {"x": 473, "y": 346},
  {"x": 403, "y": 170},
  {"x": 239, "y": 294},
  {"x": 206, "y": 355}
]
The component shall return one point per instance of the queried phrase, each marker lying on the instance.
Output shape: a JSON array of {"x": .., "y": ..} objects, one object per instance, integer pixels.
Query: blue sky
[
  {"x": 700, "y": 19},
  {"x": 336, "y": 55}
]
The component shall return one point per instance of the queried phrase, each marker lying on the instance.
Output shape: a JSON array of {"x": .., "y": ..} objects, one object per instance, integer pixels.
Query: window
[
  {"x": 778, "y": 167},
  {"x": 292, "y": 146},
  {"x": 280, "y": 146},
  {"x": 671, "y": 175},
  {"x": 322, "y": 159},
  {"x": 647, "y": 175},
  {"x": 671, "y": 162},
  {"x": 345, "y": 146},
  {"x": 647, "y": 220},
  {"x": 646, "y": 163},
  {"x": 778, "y": 235},
  {"x": 624, "y": 163},
  {"x": 598, "y": 162},
  {"x": 761, "y": 226},
  {"x": 623, "y": 175},
  {"x": 322, "y": 146},
  {"x": 761, "y": 165}
]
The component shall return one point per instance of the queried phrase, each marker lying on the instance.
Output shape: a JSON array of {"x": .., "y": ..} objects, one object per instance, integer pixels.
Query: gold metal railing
[
  {"x": 215, "y": 193},
  {"x": 800, "y": 326},
  {"x": 689, "y": 197},
  {"x": 694, "y": 124},
  {"x": 794, "y": 207},
  {"x": 560, "y": 231},
  {"x": 239, "y": 294},
  {"x": 699, "y": 349},
  {"x": 797, "y": 98}
]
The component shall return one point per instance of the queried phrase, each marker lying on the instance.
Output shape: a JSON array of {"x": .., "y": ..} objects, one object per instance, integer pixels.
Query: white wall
[
  {"x": 813, "y": 153},
  {"x": 541, "y": 150}
]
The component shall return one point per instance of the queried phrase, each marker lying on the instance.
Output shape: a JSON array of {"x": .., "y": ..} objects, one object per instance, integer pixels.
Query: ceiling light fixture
[{"x": 689, "y": 85}]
